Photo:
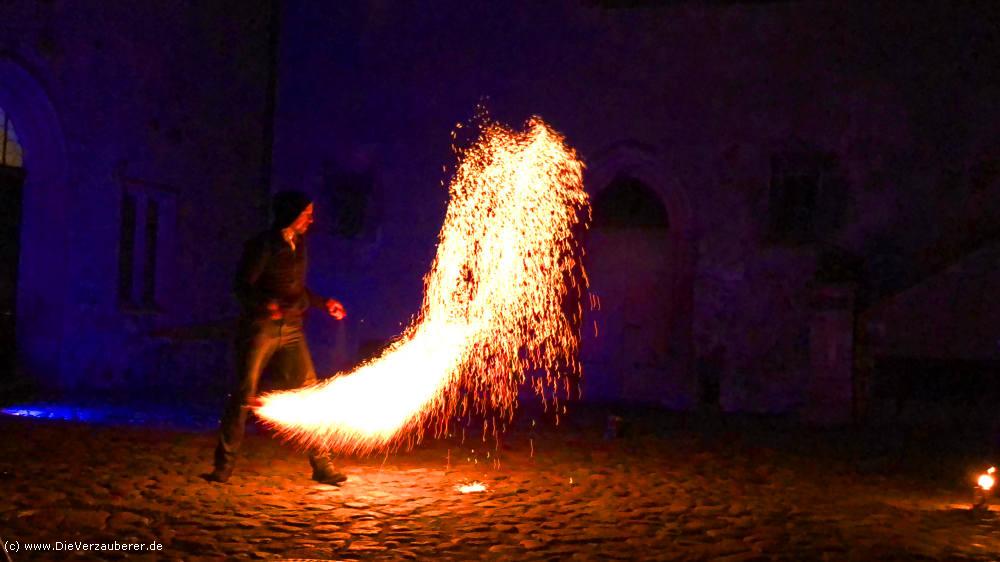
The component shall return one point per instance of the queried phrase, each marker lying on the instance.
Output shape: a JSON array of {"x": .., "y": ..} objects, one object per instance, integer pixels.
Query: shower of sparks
[{"x": 501, "y": 300}]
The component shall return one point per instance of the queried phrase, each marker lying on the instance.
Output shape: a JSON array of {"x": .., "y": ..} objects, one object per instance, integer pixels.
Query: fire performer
[{"x": 270, "y": 285}]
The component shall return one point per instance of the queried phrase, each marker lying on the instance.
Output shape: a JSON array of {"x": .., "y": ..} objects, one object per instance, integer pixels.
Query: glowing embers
[{"x": 501, "y": 299}]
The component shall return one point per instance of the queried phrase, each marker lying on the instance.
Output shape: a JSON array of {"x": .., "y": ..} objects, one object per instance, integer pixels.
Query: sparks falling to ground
[{"x": 501, "y": 300}]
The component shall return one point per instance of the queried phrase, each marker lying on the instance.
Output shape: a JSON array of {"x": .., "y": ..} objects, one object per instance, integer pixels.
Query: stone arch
[
  {"x": 673, "y": 248},
  {"x": 629, "y": 203},
  {"x": 641, "y": 162},
  {"x": 42, "y": 268}
]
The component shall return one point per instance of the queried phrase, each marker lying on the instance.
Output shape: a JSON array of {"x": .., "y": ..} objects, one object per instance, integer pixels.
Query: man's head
[{"x": 292, "y": 209}]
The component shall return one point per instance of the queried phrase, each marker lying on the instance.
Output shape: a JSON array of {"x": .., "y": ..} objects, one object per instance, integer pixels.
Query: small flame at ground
[
  {"x": 472, "y": 488},
  {"x": 498, "y": 303},
  {"x": 986, "y": 481}
]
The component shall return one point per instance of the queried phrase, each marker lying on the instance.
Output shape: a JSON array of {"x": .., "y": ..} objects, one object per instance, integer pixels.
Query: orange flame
[
  {"x": 495, "y": 306},
  {"x": 986, "y": 481}
]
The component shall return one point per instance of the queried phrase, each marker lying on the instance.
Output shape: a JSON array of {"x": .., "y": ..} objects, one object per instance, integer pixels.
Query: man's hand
[
  {"x": 273, "y": 310},
  {"x": 335, "y": 309}
]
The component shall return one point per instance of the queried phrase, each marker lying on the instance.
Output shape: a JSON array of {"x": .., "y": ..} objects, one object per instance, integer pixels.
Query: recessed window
[
  {"x": 140, "y": 247},
  {"x": 806, "y": 198},
  {"x": 126, "y": 249},
  {"x": 149, "y": 265},
  {"x": 348, "y": 203}
]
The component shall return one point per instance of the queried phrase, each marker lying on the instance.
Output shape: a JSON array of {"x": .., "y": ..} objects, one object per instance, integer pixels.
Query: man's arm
[
  {"x": 333, "y": 307},
  {"x": 251, "y": 265}
]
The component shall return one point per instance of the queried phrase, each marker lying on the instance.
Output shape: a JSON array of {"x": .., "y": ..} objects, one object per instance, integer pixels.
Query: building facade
[
  {"x": 762, "y": 174},
  {"x": 143, "y": 129}
]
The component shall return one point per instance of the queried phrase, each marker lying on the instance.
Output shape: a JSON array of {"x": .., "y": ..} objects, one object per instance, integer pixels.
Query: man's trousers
[{"x": 262, "y": 343}]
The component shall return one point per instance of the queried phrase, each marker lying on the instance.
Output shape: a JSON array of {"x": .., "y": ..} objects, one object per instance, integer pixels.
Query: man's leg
[
  {"x": 256, "y": 343},
  {"x": 295, "y": 360}
]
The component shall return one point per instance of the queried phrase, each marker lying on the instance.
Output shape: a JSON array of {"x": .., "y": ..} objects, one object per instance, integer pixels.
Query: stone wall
[
  {"x": 710, "y": 105},
  {"x": 166, "y": 100}
]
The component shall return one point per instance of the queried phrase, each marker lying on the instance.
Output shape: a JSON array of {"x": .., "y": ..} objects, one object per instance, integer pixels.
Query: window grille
[{"x": 147, "y": 218}]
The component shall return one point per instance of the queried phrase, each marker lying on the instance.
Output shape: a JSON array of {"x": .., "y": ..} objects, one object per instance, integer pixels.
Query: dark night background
[{"x": 796, "y": 204}]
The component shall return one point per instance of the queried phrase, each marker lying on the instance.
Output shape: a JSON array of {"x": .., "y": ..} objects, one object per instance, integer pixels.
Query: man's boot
[
  {"x": 221, "y": 474},
  {"x": 223, "y": 465},
  {"x": 324, "y": 472}
]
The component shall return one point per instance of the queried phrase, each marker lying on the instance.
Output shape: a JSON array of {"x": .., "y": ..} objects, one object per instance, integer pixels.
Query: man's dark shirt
[{"x": 270, "y": 271}]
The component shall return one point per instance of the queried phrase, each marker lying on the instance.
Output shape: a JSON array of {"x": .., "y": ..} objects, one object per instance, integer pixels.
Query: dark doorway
[
  {"x": 11, "y": 184},
  {"x": 630, "y": 260}
]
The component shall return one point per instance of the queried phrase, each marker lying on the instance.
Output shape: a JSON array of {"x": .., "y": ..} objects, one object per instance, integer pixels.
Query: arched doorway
[
  {"x": 637, "y": 342},
  {"x": 11, "y": 184},
  {"x": 41, "y": 266}
]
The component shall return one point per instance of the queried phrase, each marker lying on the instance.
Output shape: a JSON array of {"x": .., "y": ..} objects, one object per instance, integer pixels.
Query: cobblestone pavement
[{"x": 562, "y": 495}]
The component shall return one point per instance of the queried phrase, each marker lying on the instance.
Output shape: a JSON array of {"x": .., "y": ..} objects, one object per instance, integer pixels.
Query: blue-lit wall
[
  {"x": 166, "y": 99},
  {"x": 693, "y": 99}
]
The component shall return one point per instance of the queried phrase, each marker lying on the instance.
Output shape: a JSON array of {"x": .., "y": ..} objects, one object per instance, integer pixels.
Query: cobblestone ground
[{"x": 566, "y": 494}]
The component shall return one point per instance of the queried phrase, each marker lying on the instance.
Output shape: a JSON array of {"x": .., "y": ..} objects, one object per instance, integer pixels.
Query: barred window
[{"x": 144, "y": 210}]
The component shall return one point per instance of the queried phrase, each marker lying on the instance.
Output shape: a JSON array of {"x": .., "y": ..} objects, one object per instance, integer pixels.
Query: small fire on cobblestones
[
  {"x": 983, "y": 490},
  {"x": 986, "y": 481},
  {"x": 472, "y": 488}
]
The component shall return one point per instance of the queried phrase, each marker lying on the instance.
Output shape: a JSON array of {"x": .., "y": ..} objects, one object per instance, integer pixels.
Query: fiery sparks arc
[{"x": 501, "y": 300}]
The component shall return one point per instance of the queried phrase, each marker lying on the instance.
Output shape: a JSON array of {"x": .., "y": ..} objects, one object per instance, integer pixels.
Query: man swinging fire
[{"x": 270, "y": 285}]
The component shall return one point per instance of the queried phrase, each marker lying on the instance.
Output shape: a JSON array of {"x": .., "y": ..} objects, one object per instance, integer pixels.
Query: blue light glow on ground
[
  {"x": 65, "y": 413},
  {"x": 117, "y": 414}
]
